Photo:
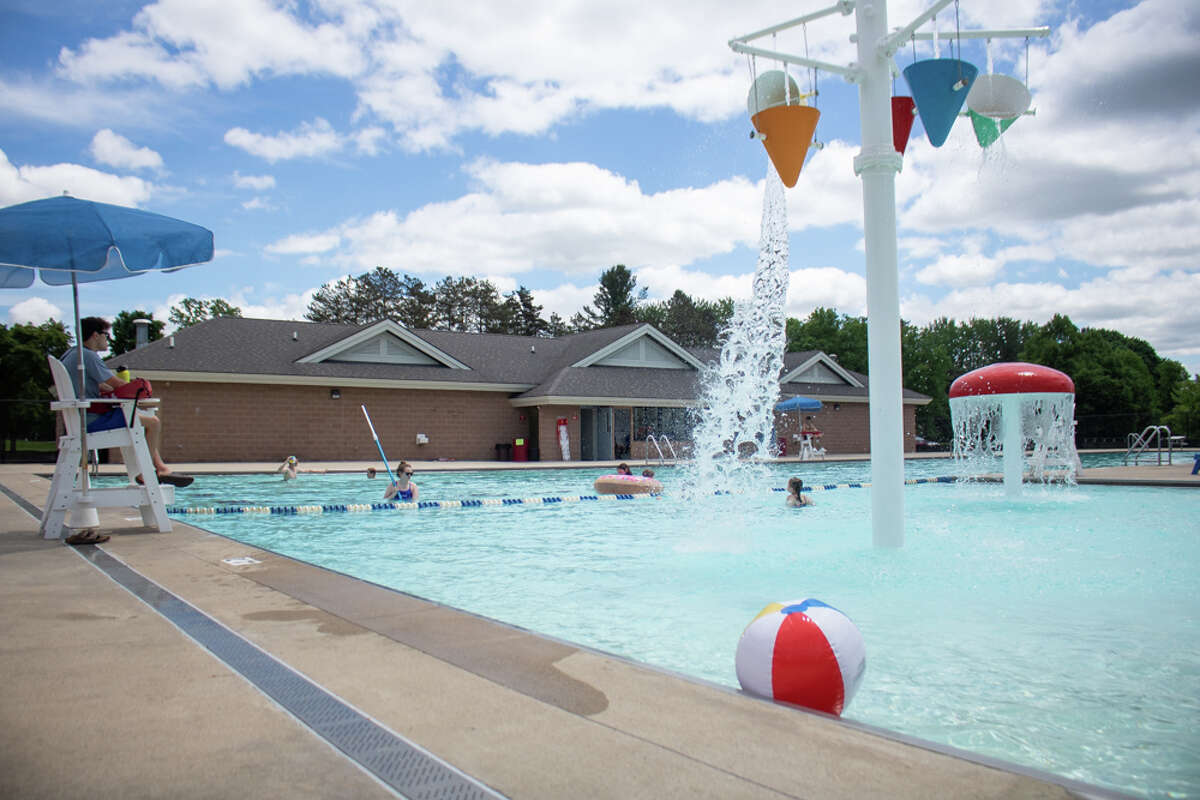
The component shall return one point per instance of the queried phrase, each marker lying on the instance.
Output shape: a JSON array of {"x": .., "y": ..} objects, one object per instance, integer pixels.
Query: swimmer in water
[
  {"x": 403, "y": 489},
  {"x": 796, "y": 497},
  {"x": 289, "y": 468}
]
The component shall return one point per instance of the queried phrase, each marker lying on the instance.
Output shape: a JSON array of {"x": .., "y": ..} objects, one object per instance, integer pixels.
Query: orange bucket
[{"x": 788, "y": 131}]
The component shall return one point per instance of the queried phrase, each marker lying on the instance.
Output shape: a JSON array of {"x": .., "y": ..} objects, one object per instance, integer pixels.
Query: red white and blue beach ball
[{"x": 803, "y": 652}]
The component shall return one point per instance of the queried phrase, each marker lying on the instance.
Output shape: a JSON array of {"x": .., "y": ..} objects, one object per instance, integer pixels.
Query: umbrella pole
[{"x": 81, "y": 369}]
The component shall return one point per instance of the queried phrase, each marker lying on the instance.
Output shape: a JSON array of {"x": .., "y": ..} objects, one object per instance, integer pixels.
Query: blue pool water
[{"x": 1057, "y": 630}]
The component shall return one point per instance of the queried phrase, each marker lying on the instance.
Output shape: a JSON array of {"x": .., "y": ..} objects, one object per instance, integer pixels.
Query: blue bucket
[{"x": 938, "y": 102}]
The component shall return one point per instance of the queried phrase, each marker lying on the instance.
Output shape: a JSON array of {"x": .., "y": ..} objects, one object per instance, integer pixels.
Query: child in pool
[
  {"x": 796, "y": 497},
  {"x": 291, "y": 467}
]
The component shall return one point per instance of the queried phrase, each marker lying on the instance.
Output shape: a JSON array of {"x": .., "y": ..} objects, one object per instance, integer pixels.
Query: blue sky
[{"x": 538, "y": 143}]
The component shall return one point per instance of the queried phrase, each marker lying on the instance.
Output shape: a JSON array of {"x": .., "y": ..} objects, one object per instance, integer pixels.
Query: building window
[{"x": 674, "y": 423}]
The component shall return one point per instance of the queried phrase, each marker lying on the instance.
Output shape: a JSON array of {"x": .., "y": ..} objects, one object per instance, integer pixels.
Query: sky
[{"x": 537, "y": 143}]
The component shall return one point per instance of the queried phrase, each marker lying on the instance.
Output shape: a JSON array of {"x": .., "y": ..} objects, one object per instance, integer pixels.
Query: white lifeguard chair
[{"x": 69, "y": 489}]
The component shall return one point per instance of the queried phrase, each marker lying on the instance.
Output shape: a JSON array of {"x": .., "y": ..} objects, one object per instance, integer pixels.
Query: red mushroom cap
[{"x": 1012, "y": 377}]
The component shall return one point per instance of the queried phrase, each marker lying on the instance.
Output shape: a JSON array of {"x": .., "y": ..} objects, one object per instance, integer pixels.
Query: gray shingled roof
[{"x": 539, "y": 366}]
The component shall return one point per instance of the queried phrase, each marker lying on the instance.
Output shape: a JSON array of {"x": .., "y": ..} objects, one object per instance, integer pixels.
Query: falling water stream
[
  {"x": 1042, "y": 428},
  {"x": 733, "y": 429}
]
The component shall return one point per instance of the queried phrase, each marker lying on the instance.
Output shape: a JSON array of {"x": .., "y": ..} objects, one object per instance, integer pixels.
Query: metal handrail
[
  {"x": 651, "y": 439},
  {"x": 1138, "y": 444}
]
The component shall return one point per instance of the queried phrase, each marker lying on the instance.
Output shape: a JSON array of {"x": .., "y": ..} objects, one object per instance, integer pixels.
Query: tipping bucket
[
  {"x": 932, "y": 83},
  {"x": 903, "y": 110},
  {"x": 988, "y": 130},
  {"x": 998, "y": 97},
  {"x": 788, "y": 132}
]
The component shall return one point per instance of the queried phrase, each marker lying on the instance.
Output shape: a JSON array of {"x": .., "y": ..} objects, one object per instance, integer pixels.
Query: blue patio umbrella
[
  {"x": 798, "y": 403},
  {"x": 71, "y": 241}
]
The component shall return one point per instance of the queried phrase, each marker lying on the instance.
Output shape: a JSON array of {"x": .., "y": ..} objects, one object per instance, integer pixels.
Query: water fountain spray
[{"x": 734, "y": 425}]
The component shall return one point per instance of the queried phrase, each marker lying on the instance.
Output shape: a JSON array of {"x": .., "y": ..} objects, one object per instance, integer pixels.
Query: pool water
[{"x": 1057, "y": 630}]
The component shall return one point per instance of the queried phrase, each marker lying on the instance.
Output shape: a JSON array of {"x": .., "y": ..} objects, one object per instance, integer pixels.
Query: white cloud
[
  {"x": 34, "y": 311},
  {"x": 65, "y": 104},
  {"x": 258, "y": 183},
  {"x": 961, "y": 269},
  {"x": 302, "y": 244},
  {"x": 575, "y": 218},
  {"x": 564, "y": 299},
  {"x": 1120, "y": 300},
  {"x": 258, "y": 204},
  {"x": 369, "y": 141},
  {"x": 311, "y": 139},
  {"x": 1107, "y": 172},
  {"x": 227, "y": 43},
  {"x": 116, "y": 151},
  {"x": 290, "y": 305},
  {"x": 24, "y": 183}
]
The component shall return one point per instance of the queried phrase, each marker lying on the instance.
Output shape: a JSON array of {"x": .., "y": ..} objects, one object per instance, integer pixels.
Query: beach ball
[{"x": 803, "y": 652}]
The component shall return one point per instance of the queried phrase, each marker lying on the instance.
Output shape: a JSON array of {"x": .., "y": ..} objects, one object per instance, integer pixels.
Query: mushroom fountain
[{"x": 1022, "y": 414}]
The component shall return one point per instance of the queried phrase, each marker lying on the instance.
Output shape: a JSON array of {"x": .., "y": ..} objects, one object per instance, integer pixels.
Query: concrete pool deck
[{"x": 104, "y": 697}]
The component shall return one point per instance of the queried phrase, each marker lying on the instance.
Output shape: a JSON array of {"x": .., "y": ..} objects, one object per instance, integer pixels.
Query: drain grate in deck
[{"x": 398, "y": 763}]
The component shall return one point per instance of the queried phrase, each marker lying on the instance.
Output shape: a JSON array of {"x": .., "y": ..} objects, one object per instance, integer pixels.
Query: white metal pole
[
  {"x": 877, "y": 164},
  {"x": 1014, "y": 444}
]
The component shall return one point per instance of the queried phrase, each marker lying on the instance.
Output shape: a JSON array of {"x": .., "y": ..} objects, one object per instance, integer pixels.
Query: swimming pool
[{"x": 1057, "y": 630}]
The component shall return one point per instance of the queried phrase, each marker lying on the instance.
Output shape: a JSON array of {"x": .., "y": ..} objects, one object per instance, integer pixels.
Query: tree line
[
  {"x": 474, "y": 305},
  {"x": 1121, "y": 383}
]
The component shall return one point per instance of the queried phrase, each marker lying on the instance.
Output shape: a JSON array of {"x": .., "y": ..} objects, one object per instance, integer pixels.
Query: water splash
[
  {"x": 734, "y": 425},
  {"x": 1047, "y": 435}
]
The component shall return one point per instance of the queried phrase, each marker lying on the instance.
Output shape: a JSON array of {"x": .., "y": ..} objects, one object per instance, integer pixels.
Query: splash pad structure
[
  {"x": 877, "y": 164},
  {"x": 1008, "y": 408}
]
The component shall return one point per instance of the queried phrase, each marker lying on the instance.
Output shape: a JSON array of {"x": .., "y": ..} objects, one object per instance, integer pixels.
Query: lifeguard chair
[{"x": 70, "y": 493}]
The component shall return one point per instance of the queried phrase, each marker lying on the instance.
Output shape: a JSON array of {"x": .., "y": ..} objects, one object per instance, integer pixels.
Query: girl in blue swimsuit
[{"x": 403, "y": 489}]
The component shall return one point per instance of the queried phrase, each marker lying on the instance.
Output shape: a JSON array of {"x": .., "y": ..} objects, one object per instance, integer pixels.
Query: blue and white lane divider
[
  {"x": 482, "y": 503},
  {"x": 418, "y": 506}
]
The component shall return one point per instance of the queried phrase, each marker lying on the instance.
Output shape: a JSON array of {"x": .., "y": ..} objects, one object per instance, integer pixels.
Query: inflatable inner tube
[{"x": 626, "y": 484}]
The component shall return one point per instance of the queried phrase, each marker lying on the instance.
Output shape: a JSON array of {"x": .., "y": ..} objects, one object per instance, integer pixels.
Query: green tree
[
  {"x": 1116, "y": 390},
  {"x": 124, "y": 332},
  {"x": 25, "y": 400},
  {"x": 557, "y": 326},
  {"x": 372, "y": 296},
  {"x": 616, "y": 300},
  {"x": 192, "y": 311},
  {"x": 928, "y": 357},
  {"x": 1184, "y": 418},
  {"x": 690, "y": 322},
  {"x": 468, "y": 304},
  {"x": 841, "y": 336},
  {"x": 524, "y": 314},
  {"x": 415, "y": 309}
]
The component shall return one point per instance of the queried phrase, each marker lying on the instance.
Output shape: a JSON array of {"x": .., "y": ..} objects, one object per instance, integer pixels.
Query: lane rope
[{"x": 495, "y": 502}]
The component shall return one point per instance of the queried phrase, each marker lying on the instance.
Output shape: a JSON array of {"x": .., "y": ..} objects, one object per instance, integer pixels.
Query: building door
[
  {"x": 595, "y": 433},
  {"x": 587, "y": 434},
  {"x": 621, "y": 432},
  {"x": 604, "y": 434}
]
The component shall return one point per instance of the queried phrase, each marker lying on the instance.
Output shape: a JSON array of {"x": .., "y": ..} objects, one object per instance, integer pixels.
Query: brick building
[{"x": 236, "y": 389}]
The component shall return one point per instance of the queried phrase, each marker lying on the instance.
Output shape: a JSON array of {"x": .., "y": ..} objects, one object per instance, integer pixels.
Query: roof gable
[
  {"x": 645, "y": 346},
  {"x": 820, "y": 368},
  {"x": 385, "y": 342}
]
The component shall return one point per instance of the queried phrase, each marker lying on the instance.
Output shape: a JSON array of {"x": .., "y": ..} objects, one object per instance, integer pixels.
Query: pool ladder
[
  {"x": 1147, "y": 443},
  {"x": 657, "y": 441}
]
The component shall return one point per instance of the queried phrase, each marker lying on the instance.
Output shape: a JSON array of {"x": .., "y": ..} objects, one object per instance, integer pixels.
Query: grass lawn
[{"x": 25, "y": 446}]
